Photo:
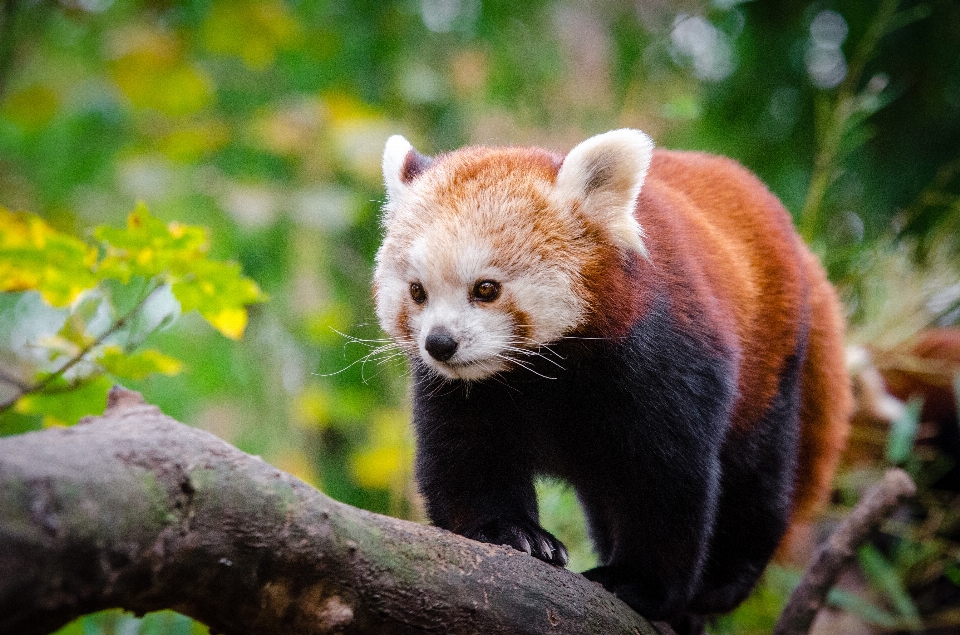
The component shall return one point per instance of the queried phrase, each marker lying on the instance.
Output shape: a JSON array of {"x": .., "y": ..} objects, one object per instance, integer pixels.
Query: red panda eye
[
  {"x": 417, "y": 293},
  {"x": 486, "y": 291}
]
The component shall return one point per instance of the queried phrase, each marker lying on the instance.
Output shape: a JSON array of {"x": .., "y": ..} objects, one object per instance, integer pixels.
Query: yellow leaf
[
  {"x": 20, "y": 230},
  {"x": 34, "y": 256},
  {"x": 231, "y": 321},
  {"x": 13, "y": 280},
  {"x": 377, "y": 467}
]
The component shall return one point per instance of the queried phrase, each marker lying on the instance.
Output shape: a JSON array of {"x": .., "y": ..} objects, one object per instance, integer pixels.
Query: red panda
[{"x": 646, "y": 325}]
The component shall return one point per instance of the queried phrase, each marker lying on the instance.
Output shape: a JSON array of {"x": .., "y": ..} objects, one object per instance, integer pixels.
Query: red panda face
[{"x": 482, "y": 261}]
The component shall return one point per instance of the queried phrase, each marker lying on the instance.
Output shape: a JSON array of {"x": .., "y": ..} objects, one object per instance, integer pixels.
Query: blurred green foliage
[
  {"x": 264, "y": 122},
  {"x": 63, "y": 369}
]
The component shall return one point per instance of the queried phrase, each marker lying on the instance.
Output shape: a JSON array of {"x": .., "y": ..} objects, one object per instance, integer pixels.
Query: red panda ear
[
  {"x": 604, "y": 174},
  {"x": 401, "y": 164}
]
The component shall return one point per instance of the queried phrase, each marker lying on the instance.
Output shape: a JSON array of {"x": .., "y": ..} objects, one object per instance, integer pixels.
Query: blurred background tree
[{"x": 264, "y": 121}]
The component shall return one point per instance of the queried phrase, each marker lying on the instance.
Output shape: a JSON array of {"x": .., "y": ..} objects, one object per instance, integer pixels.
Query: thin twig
[
  {"x": 73, "y": 361},
  {"x": 834, "y": 123},
  {"x": 875, "y": 506},
  {"x": 16, "y": 382}
]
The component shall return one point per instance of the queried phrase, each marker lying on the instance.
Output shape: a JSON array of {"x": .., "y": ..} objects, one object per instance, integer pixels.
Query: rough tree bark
[{"x": 135, "y": 510}]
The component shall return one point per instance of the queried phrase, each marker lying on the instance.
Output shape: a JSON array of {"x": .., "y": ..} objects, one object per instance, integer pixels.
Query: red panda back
[{"x": 765, "y": 288}]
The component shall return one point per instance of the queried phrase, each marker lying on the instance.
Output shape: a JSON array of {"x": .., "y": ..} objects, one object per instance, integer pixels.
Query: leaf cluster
[{"x": 105, "y": 297}]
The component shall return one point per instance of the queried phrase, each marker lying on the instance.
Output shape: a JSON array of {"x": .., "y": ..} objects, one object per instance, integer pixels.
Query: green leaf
[
  {"x": 903, "y": 432},
  {"x": 62, "y": 404},
  {"x": 12, "y": 422},
  {"x": 75, "y": 627},
  {"x": 220, "y": 293},
  {"x": 885, "y": 578},
  {"x": 119, "y": 621},
  {"x": 138, "y": 365},
  {"x": 34, "y": 256},
  {"x": 148, "y": 247},
  {"x": 169, "y": 623},
  {"x": 177, "y": 254}
]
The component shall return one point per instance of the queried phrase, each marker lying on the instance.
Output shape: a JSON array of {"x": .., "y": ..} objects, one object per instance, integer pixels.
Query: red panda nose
[{"x": 440, "y": 344}]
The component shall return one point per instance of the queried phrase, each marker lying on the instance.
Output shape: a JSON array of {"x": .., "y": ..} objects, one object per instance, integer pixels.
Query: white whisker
[
  {"x": 523, "y": 364},
  {"x": 531, "y": 353},
  {"x": 381, "y": 350}
]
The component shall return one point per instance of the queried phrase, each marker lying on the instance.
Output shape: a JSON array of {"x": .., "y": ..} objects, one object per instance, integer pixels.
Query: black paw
[{"x": 523, "y": 536}]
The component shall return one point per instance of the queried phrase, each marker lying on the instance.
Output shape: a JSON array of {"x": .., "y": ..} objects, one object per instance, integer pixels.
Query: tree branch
[
  {"x": 135, "y": 510},
  {"x": 877, "y": 504}
]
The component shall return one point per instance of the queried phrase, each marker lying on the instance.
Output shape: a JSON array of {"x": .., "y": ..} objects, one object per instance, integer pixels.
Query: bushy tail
[
  {"x": 826, "y": 406},
  {"x": 826, "y": 400}
]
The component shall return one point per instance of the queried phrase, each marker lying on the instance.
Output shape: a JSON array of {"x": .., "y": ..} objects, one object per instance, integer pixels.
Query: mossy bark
[{"x": 135, "y": 510}]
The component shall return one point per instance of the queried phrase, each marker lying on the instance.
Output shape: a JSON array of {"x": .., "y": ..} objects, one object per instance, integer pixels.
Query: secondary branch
[{"x": 809, "y": 596}]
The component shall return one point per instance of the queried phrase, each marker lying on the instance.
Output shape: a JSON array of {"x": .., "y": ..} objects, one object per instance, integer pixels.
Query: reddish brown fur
[
  {"x": 521, "y": 321},
  {"x": 722, "y": 246},
  {"x": 729, "y": 256},
  {"x": 470, "y": 171}
]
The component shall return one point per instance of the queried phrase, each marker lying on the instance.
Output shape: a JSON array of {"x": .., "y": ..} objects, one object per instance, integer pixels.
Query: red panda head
[{"x": 487, "y": 250}]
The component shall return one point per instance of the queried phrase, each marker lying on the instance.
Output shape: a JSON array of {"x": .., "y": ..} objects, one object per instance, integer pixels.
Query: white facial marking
[
  {"x": 522, "y": 230},
  {"x": 448, "y": 273}
]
